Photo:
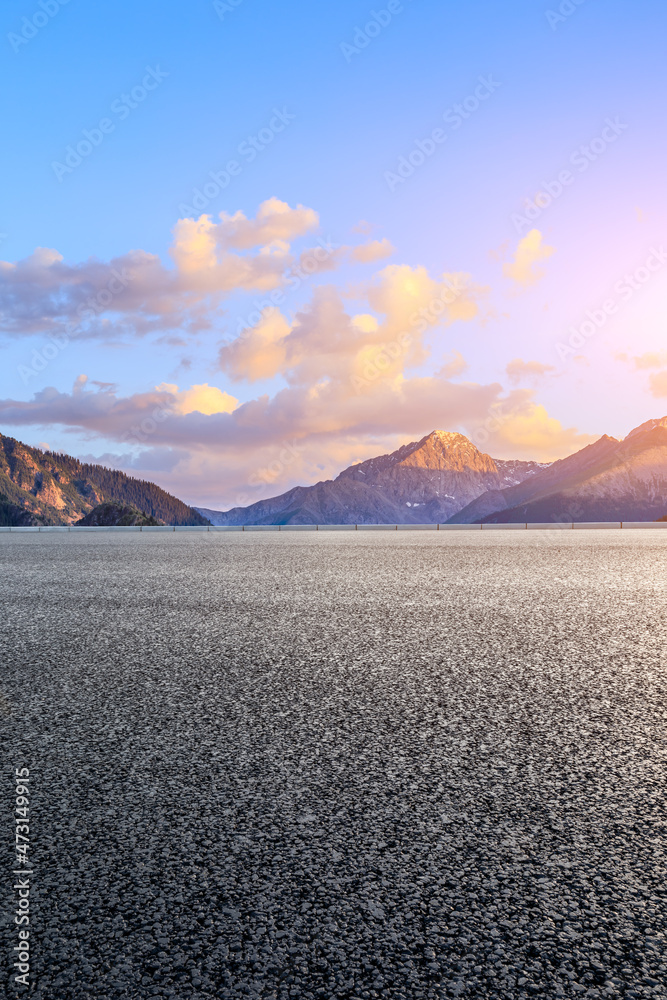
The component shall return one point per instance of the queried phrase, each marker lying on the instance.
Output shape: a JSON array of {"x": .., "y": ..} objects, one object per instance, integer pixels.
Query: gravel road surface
[{"x": 338, "y": 766}]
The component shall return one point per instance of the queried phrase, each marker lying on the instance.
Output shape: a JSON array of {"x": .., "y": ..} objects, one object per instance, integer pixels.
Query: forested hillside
[{"x": 44, "y": 487}]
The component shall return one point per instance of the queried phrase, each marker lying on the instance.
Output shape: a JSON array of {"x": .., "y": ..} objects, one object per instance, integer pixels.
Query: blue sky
[{"x": 554, "y": 81}]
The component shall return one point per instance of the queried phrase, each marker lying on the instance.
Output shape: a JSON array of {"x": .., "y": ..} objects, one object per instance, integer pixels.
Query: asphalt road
[{"x": 342, "y": 766}]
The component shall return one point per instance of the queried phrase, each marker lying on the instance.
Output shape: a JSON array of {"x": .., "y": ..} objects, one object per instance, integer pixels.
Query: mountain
[
  {"x": 116, "y": 515},
  {"x": 13, "y": 516},
  {"x": 609, "y": 480},
  {"x": 38, "y": 487},
  {"x": 423, "y": 482}
]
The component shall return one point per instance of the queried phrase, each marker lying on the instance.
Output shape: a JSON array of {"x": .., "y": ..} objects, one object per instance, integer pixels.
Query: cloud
[
  {"x": 338, "y": 399},
  {"x": 299, "y": 436},
  {"x": 103, "y": 411},
  {"x": 519, "y": 370},
  {"x": 649, "y": 361},
  {"x": 135, "y": 294},
  {"x": 521, "y": 428},
  {"x": 320, "y": 411},
  {"x": 260, "y": 351},
  {"x": 347, "y": 387},
  {"x": 275, "y": 222},
  {"x": 454, "y": 366},
  {"x": 206, "y": 399},
  {"x": 655, "y": 359},
  {"x": 375, "y": 250},
  {"x": 324, "y": 342},
  {"x": 658, "y": 384},
  {"x": 314, "y": 260},
  {"x": 348, "y": 366},
  {"x": 412, "y": 300},
  {"x": 523, "y": 269},
  {"x": 205, "y": 266}
]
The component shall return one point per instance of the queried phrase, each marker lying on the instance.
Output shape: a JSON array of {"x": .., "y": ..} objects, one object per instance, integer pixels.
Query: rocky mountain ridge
[
  {"x": 426, "y": 481},
  {"x": 44, "y": 487},
  {"x": 610, "y": 480}
]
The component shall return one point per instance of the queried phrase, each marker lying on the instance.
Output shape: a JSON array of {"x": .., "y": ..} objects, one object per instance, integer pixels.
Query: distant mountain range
[
  {"x": 444, "y": 478},
  {"x": 43, "y": 487},
  {"x": 424, "y": 482},
  {"x": 609, "y": 480}
]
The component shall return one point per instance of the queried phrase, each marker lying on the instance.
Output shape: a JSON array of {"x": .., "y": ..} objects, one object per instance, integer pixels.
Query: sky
[{"x": 246, "y": 244}]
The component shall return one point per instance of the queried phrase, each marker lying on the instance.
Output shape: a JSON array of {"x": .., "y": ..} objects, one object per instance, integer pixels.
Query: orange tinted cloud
[
  {"x": 524, "y": 269},
  {"x": 649, "y": 360},
  {"x": 275, "y": 221},
  {"x": 524, "y": 428},
  {"x": 260, "y": 351},
  {"x": 658, "y": 384},
  {"x": 206, "y": 399},
  {"x": 348, "y": 385},
  {"x": 375, "y": 250}
]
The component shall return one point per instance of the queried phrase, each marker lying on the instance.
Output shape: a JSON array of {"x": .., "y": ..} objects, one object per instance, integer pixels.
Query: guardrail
[{"x": 548, "y": 526}]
